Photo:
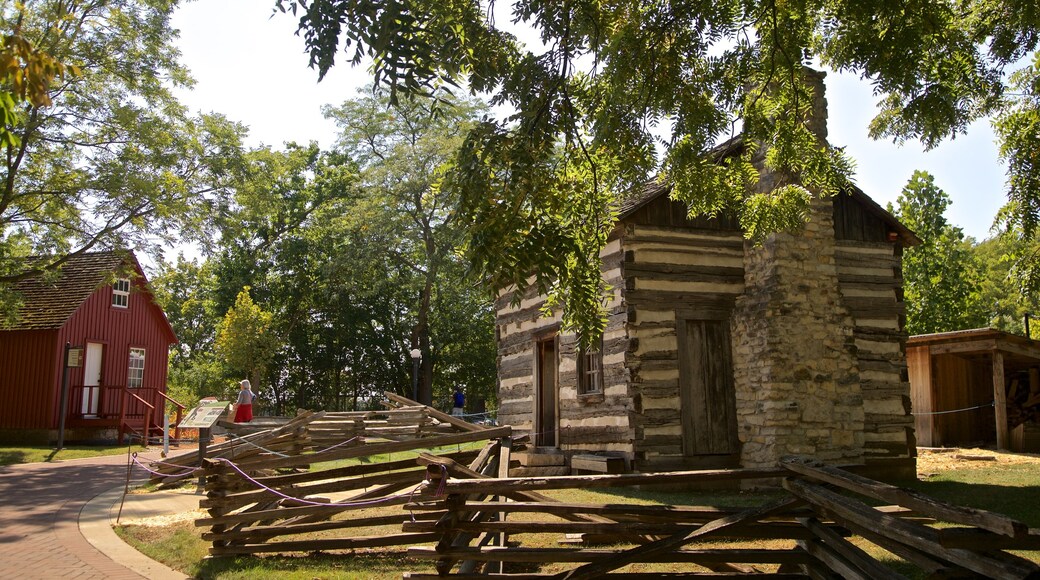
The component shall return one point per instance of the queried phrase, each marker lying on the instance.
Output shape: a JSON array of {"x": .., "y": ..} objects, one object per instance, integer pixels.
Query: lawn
[
  {"x": 1008, "y": 485},
  {"x": 11, "y": 455}
]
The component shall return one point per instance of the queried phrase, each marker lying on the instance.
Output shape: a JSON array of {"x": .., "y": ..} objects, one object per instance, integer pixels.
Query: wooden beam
[
  {"x": 1000, "y": 401},
  {"x": 516, "y": 484},
  {"x": 442, "y": 417},
  {"x": 998, "y": 566},
  {"x": 712, "y": 556},
  {"x": 676, "y": 541},
  {"x": 333, "y": 544},
  {"x": 920, "y": 503},
  {"x": 867, "y": 566}
]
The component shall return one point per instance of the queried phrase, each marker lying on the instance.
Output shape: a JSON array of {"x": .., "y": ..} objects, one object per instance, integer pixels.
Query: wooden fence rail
[
  {"x": 816, "y": 520},
  {"x": 450, "y": 506}
]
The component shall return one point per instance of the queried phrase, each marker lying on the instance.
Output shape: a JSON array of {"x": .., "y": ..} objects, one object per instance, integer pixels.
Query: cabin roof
[
  {"x": 654, "y": 189},
  {"x": 50, "y": 298}
]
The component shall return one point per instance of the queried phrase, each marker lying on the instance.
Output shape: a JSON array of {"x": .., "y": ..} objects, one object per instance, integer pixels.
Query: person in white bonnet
[{"x": 243, "y": 411}]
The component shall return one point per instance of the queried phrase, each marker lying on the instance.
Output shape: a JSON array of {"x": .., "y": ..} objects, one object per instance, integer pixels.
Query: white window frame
[
  {"x": 135, "y": 368},
  {"x": 121, "y": 293},
  {"x": 590, "y": 370}
]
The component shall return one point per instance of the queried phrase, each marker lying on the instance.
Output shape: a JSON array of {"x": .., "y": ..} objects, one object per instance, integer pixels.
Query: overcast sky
[{"x": 252, "y": 68}]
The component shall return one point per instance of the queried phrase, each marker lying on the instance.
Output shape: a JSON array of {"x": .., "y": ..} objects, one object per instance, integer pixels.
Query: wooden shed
[
  {"x": 975, "y": 386},
  {"x": 98, "y": 302}
]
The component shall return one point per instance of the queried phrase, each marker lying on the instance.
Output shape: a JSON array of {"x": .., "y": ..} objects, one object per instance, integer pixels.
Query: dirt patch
[
  {"x": 163, "y": 521},
  {"x": 932, "y": 461}
]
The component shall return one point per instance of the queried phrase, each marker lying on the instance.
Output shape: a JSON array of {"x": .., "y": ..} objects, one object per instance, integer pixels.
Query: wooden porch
[{"x": 137, "y": 412}]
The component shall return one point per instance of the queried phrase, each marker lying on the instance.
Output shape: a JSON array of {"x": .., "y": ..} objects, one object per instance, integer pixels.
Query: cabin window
[
  {"x": 121, "y": 293},
  {"x": 590, "y": 370},
  {"x": 135, "y": 374}
]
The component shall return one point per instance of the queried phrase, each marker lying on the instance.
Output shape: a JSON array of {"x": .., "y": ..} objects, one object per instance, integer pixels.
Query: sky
[{"x": 249, "y": 65}]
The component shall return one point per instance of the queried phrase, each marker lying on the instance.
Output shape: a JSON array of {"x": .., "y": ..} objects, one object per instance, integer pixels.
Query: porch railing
[{"x": 131, "y": 409}]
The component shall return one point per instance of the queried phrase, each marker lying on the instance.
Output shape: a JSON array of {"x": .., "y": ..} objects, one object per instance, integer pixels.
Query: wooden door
[
  {"x": 546, "y": 422},
  {"x": 92, "y": 378},
  {"x": 706, "y": 395}
]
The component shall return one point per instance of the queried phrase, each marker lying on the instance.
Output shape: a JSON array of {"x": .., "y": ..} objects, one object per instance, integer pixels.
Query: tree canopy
[
  {"x": 942, "y": 277},
  {"x": 104, "y": 156},
  {"x": 622, "y": 90}
]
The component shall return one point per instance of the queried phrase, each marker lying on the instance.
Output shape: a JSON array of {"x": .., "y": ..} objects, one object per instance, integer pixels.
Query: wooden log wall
[
  {"x": 816, "y": 521},
  {"x": 587, "y": 422},
  {"x": 870, "y": 275},
  {"x": 671, "y": 274}
]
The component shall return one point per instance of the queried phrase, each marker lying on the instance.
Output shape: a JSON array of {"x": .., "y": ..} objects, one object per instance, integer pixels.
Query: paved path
[{"x": 40, "y": 505}]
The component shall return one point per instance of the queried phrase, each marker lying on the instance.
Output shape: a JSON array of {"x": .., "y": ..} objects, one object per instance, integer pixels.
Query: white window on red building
[{"x": 135, "y": 374}]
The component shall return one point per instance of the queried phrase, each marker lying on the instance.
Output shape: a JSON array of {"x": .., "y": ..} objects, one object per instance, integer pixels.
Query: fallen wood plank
[
  {"x": 1004, "y": 567},
  {"x": 916, "y": 501}
]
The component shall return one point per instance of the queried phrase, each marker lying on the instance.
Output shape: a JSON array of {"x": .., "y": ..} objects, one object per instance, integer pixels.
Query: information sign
[{"x": 205, "y": 415}]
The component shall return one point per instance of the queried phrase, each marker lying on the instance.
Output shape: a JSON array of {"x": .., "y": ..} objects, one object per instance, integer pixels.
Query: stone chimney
[{"x": 795, "y": 368}]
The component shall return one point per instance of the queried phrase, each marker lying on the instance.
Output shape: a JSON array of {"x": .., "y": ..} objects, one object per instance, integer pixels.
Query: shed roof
[
  {"x": 977, "y": 341},
  {"x": 653, "y": 189},
  {"x": 50, "y": 298}
]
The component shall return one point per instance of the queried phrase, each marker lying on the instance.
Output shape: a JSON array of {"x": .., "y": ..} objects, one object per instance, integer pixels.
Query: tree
[
  {"x": 613, "y": 82},
  {"x": 401, "y": 150},
  {"x": 108, "y": 158},
  {"x": 1011, "y": 288},
  {"x": 185, "y": 289},
  {"x": 26, "y": 73},
  {"x": 245, "y": 340},
  {"x": 942, "y": 278}
]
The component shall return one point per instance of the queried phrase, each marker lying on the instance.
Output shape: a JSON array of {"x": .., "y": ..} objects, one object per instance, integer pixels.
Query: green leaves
[
  {"x": 942, "y": 276},
  {"x": 650, "y": 87}
]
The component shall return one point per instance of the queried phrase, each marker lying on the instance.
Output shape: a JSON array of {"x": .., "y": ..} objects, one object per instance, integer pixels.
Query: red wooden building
[{"x": 98, "y": 302}]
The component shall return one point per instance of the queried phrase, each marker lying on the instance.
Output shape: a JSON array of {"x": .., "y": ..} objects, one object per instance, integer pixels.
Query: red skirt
[{"x": 244, "y": 414}]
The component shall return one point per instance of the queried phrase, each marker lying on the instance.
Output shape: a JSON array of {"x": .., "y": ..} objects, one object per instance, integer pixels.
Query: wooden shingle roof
[
  {"x": 49, "y": 299},
  {"x": 651, "y": 190}
]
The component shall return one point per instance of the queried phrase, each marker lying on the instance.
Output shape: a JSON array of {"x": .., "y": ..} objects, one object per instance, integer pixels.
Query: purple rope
[
  {"x": 142, "y": 466},
  {"x": 307, "y": 501}
]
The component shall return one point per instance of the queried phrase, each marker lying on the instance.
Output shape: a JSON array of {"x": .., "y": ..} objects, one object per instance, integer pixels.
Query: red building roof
[{"x": 50, "y": 298}]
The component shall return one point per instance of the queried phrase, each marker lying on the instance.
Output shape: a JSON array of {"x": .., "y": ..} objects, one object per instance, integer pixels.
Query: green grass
[
  {"x": 1003, "y": 488},
  {"x": 11, "y": 455}
]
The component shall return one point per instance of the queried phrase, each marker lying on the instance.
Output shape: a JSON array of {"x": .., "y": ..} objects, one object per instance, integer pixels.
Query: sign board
[
  {"x": 75, "y": 358},
  {"x": 205, "y": 415}
]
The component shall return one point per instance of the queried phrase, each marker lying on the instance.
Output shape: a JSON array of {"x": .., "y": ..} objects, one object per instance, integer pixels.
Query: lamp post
[{"x": 416, "y": 354}]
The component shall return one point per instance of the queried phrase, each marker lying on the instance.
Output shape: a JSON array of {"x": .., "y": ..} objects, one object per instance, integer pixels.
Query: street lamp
[{"x": 416, "y": 354}]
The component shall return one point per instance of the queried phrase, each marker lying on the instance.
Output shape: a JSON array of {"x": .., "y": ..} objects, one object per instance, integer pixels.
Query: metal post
[
  {"x": 203, "y": 440},
  {"x": 165, "y": 433},
  {"x": 64, "y": 395},
  {"x": 415, "y": 379}
]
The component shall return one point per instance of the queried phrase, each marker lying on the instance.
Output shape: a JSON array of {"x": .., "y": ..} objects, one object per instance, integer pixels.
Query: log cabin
[{"x": 719, "y": 352}]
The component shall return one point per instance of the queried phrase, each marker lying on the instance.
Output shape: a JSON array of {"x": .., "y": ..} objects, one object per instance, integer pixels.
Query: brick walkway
[{"x": 40, "y": 506}]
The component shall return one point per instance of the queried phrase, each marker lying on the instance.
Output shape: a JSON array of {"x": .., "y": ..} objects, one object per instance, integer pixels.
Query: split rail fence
[{"x": 444, "y": 499}]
